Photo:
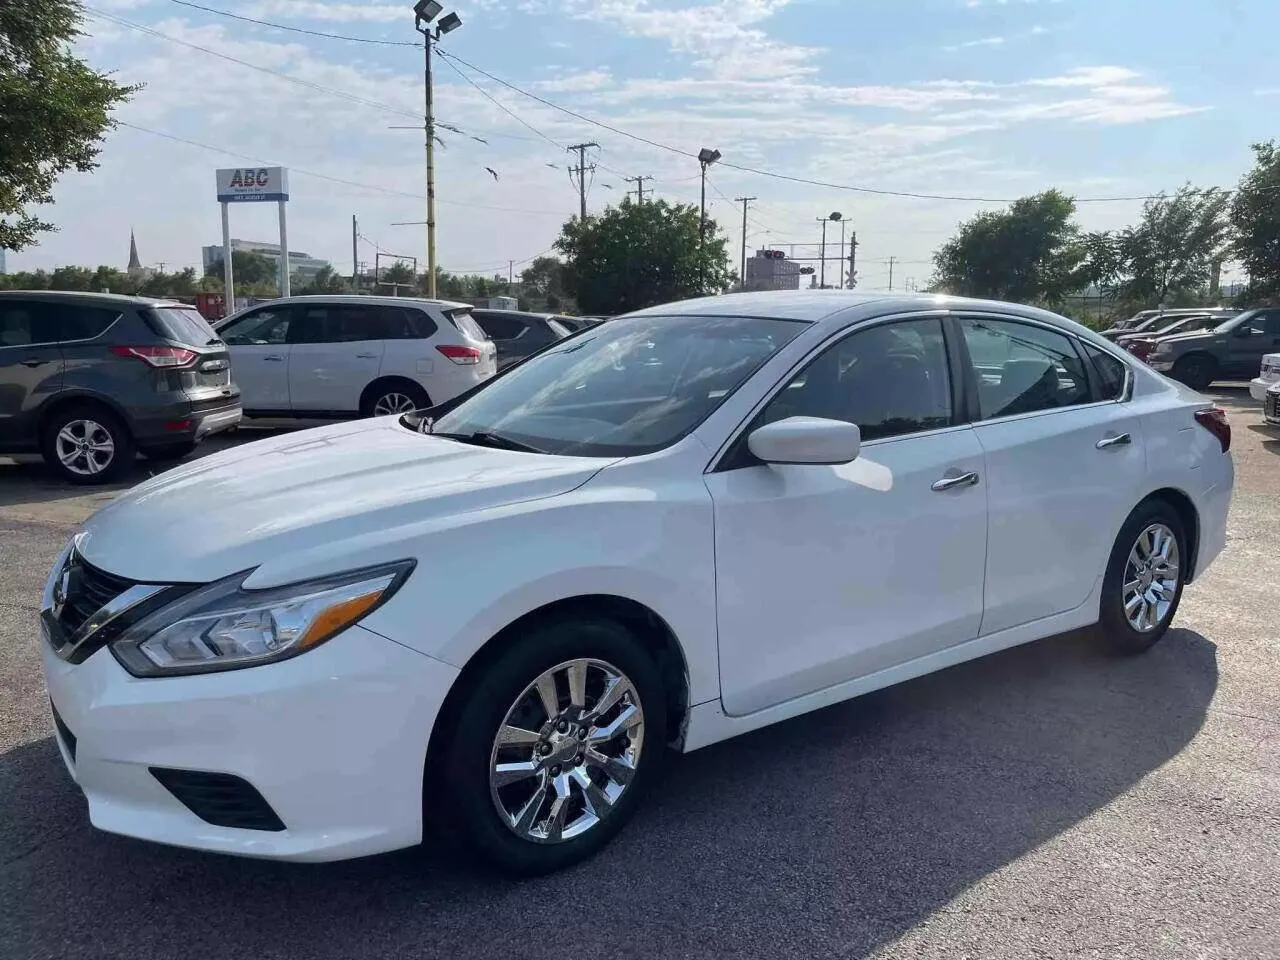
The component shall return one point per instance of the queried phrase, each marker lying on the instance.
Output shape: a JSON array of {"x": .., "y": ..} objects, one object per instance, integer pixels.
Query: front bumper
[
  {"x": 334, "y": 741},
  {"x": 1258, "y": 388},
  {"x": 1163, "y": 364}
]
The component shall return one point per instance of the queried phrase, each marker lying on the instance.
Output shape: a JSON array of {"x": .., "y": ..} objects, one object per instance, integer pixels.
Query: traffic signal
[
  {"x": 805, "y": 271},
  {"x": 774, "y": 255}
]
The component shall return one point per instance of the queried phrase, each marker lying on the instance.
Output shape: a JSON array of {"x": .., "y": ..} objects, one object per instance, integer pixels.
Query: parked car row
[{"x": 89, "y": 380}]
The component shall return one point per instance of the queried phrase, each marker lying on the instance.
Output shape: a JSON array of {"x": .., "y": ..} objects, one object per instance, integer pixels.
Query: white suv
[{"x": 344, "y": 356}]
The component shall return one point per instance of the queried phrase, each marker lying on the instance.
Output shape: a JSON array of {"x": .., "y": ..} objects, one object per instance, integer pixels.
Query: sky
[{"x": 990, "y": 99}]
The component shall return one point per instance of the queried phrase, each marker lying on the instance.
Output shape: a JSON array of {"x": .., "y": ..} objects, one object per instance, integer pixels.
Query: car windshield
[{"x": 630, "y": 387}]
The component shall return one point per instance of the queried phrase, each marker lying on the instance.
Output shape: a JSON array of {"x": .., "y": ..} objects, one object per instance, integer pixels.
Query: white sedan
[{"x": 667, "y": 530}]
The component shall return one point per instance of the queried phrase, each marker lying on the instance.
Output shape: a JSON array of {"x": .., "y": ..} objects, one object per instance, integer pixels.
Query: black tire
[
  {"x": 461, "y": 790},
  {"x": 1114, "y": 627},
  {"x": 169, "y": 451},
  {"x": 381, "y": 390},
  {"x": 105, "y": 422},
  {"x": 1197, "y": 371}
]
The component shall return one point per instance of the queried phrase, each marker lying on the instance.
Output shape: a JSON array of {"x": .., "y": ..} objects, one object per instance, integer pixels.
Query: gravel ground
[{"x": 1048, "y": 801}]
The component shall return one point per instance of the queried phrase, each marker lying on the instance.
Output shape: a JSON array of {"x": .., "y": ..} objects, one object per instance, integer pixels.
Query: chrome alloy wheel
[
  {"x": 566, "y": 751},
  {"x": 85, "y": 447},
  {"x": 390, "y": 403},
  {"x": 1151, "y": 578}
]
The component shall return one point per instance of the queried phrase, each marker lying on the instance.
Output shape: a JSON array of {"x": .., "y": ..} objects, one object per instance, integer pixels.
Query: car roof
[
  {"x": 359, "y": 298},
  {"x": 814, "y": 306},
  {"x": 115, "y": 298}
]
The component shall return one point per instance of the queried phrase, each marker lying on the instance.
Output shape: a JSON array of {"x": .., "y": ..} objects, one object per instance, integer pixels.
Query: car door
[
  {"x": 1250, "y": 341},
  {"x": 829, "y": 573},
  {"x": 258, "y": 344},
  {"x": 1064, "y": 463},
  {"x": 336, "y": 352},
  {"x": 31, "y": 367}
]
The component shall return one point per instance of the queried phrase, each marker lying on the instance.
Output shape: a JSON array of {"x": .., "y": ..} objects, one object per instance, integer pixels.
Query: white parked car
[
  {"x": 1267, "y": 376},
  {"x": 347, "y": 356},
  {"x": 682, "y": 525}
]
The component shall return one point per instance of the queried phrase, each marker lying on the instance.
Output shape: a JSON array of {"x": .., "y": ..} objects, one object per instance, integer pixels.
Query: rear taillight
[
  {"x": 1214, "y": 419},
  {"x": 158, "y": 356},
  {"x": 463, "y": 355}
]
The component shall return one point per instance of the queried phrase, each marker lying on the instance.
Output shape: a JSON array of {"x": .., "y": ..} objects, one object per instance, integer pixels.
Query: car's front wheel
[
  {"x": 1196, "y": 371},
  {"x": 554, "y": 746},
  {"x": 1143, "y": 582}
]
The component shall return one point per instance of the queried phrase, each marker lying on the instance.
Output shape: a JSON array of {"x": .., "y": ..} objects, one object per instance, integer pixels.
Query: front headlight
[{"x": 224, "y": 627}]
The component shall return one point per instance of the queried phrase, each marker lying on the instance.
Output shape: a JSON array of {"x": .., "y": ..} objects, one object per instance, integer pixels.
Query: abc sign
[{"x": 250, "y": 178}]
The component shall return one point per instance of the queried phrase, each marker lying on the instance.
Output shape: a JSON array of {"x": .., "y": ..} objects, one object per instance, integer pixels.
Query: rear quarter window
[{"x": 183, "y": 324}]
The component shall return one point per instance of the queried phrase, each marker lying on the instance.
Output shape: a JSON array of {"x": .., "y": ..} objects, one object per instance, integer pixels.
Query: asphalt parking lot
[{"x": 1048, "y": 801}]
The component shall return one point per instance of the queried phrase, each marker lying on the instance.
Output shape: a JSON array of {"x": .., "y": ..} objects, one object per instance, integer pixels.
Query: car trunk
[{"x": 207, "y": 381}]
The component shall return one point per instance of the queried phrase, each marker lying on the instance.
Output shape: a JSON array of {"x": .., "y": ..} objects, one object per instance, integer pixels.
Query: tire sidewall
[
  {"x": 470, "y": 742},
  {"x": 121, "y": 459},
  {"x": 1204, "y": 367},
  {"x": 1116, "y": 629}
]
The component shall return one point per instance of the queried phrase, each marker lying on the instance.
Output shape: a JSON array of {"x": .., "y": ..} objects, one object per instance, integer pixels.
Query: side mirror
[
  {"x": 806, "y": 440},
  {"x": 1244, "y": 331}
]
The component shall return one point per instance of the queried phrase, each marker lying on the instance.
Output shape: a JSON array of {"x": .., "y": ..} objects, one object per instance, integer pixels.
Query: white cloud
[
  {"x": 586, "y": 81},
  {"x": 326, "y": 10},
  {"x": 984, "y": 42}
]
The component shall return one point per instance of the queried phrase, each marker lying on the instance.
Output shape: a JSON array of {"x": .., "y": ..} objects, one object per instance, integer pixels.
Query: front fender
[{"x": 474, "y": 579}]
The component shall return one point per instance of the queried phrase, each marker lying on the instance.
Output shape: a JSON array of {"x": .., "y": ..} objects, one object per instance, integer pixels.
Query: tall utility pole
[
  {"x": 742, "y": 277},
  {"x": 892, "y": 260},
  {"x": 355, "y": 255},
  {"x": 639, "y": 182},
  {"x": 853, "y": 259},
  {"x": 581, "y": 170},
  {"x": 424, "y": 11}
]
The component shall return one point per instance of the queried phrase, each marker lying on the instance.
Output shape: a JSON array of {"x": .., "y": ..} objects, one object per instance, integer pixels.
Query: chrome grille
[{"x": 85, "y": 591}]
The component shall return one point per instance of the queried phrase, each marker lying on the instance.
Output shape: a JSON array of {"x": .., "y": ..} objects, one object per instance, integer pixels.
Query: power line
[
  {"x": 501, "y": 106},
  {"x": 324, "y": 176},
  {"x": 281, "y": 26},
  {"x": 914, "y": 195}
]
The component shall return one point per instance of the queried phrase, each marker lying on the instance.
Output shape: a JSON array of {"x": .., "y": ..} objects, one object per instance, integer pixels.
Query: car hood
[
  {"x": 309, "y": 491},
  {"x": 1200, "y": 336}
]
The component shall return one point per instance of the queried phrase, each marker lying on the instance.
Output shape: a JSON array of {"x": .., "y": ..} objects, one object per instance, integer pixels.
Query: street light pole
[
  {"x": 822, "y": 268},
  {"x": 424, "y": 11}
]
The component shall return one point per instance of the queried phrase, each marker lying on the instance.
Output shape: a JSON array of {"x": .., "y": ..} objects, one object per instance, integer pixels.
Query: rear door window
[
  {"x": 183, "y": 324},
  {"x": 498, "y": 327},
  {"x": 24, "y": 324}
]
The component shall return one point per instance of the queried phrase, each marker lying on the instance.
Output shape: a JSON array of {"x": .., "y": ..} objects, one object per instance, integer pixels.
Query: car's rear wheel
[
  {"x": 554, "y": 746},
  {"x": 1143, "y": 584},
  {"x": 394, "y": 397},
  {"x": 1196, "y": 371},
  {"x": 87, "y": 444}
]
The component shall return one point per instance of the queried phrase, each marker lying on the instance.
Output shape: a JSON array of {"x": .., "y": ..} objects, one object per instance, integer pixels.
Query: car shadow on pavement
[
  {"x": 830, "y": 834},
  {"x": 1272, "y": 434}
]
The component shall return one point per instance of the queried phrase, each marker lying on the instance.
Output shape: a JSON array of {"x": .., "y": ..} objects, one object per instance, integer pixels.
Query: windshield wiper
[{"x": 484, "y": 438}]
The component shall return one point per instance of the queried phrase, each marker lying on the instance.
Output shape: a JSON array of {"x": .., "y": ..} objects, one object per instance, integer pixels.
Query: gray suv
[
  {"x": 1231, "y": 351},
  {"x": 89, "y": 380}
]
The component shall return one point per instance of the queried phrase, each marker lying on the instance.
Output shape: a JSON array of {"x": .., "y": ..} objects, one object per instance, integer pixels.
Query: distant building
[
  {"x": 301, "y": 265},
  {"x": 770, "y": 270}
]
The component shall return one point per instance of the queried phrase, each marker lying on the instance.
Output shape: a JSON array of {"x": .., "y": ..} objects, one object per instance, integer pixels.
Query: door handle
[
  {"x": 959, "y": 480},
  {"x": 33, "y": 362},
  {"x": 274, "y": 358},
  {"x": 1117, "y": 441},
  {"x": 366, "y": 356}
]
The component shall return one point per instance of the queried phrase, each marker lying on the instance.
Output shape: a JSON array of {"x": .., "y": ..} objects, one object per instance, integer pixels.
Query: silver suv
[{"x": 346, "y": 356}]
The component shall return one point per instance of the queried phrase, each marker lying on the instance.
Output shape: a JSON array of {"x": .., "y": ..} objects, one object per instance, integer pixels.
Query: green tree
[
  {"x": 398, "y": 274},
  {"x": 54, "y": 111},
  {"x": 71, "y": 278},
  {"x": 544, "y": 278},
  {"x": 1029, "y": 253},
  {"x": 639, "y": 254},
  {"x": 1255, "y": 217},
  {"x": 1169, "y": 254},
  {"x": 249, "y": 267},
  {"x": 325, "y": 280}
]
